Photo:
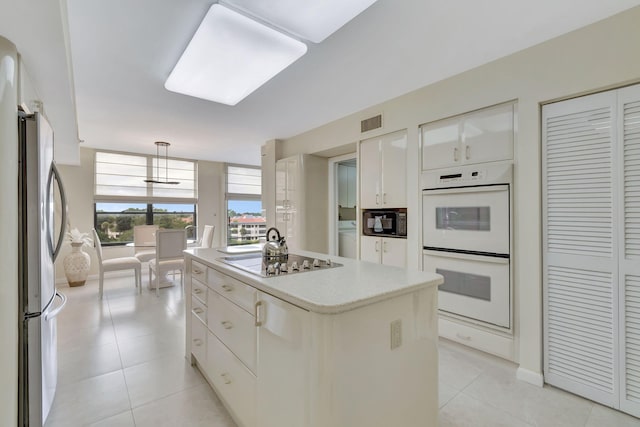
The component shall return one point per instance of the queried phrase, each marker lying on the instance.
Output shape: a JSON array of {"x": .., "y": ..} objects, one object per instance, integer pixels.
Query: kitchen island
[{"x": 352, "y": 345}]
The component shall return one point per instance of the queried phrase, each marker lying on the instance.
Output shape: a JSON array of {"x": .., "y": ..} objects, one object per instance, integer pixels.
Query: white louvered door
[
  {"x": 580, "y": 270},
  {"x": 591, "y": 204},
  {"x": 629, "y": 125}
]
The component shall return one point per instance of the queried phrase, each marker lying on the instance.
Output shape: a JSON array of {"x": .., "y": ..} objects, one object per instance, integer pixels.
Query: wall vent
[{"x": 371, "y": 123}]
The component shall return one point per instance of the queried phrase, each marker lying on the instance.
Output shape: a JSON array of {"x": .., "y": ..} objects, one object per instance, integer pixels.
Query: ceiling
[{"x": 122, "y": 52}]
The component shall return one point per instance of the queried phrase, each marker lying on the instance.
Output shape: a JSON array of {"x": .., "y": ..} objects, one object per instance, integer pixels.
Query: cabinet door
[
  {"x": 281, "y": 194},
  {"x": 370, "y": 182},
  {"x": 487, "y": 135},
  {"x": 394, "y": 170},
  {"x": 394, "y": 252},
  {"x": 283, "y": 371},
  {"x": 370, "y": 249},
  {"x": 441, "y": 144}
]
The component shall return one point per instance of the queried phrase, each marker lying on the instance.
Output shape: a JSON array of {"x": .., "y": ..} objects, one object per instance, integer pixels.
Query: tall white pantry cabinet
[{"x": 591, "y": 214}]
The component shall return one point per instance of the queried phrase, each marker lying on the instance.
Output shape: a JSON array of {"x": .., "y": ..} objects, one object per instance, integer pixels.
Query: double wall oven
[{"x": 467, "y": 239}]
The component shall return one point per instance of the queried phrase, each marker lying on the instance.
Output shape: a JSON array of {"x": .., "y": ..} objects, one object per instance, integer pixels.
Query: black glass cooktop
[{"x": 292, "y": 264}]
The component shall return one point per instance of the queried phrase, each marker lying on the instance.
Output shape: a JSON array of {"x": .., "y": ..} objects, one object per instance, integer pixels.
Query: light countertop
[{"x": 335, "y": 290}]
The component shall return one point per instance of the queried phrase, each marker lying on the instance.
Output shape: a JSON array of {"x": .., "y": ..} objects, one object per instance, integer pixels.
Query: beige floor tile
[
  {"x": 88, "y": 362},
  {"x": 160, "y": 378},
  {"x": 445, "y": 394},
  {"x": 90, "y": 400},
  {"x": 77, "y": 337},
  {"x": 546, "y": 406},
  {"x": 603, "y": 416},
  {"x": 195, "y": 407},
  {"x": 124, "y": 419},
  {"x": 134, "y": 351},
  {"x": 465, "y": 411}
]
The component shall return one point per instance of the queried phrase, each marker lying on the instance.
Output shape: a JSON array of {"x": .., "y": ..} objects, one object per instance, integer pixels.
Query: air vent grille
[{"x": 371, "y": 123}]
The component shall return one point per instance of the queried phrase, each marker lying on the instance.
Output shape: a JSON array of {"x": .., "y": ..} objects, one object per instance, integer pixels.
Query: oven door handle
[
  {"x": 462, "y": 190},
  {"x": 466, "y": 256}
]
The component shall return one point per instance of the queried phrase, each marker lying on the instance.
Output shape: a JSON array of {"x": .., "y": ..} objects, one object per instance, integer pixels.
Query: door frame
[{"x": 332, "y": 209}]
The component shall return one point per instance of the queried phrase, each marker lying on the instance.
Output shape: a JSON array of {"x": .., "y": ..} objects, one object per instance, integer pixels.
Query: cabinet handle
[
  {"x": 225, "y": 377},
  {"x": 463, "y": 337},
  {"x": 227, "y": 288},
  {"x": 384, "y": 246},
  {"x": 455, "y": 154},
  {"x": 257, "y": 312},
  {"x": 467, "y": 152},
  {"x": 226, "y": 324},
  {"x": 384, "y": 198},
  {"x": 378, "y": 246},
  {"x": 197, "y": 291},
  {"x": 198, "y": 310},
  {"x": 377, "y": 199},
  {"x": 197, "y": 342},
  {"x": 197, "y": 271}
]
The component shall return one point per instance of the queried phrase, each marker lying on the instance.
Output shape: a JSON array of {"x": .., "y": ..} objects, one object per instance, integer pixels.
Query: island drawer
[
  {"x": 235, "y": 383},
  {"x": 238, "y": 292},
  {"x": 234, "y": 327},
  {"x": 198, "y": 340},
  {"x": 199, "y": 290},
  {"x": 198, "y": 271},
  {"x": 199, "y": 309}
]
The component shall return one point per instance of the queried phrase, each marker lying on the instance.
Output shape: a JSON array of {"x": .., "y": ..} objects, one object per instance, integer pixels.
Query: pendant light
[{"x": 166, "y": 165}]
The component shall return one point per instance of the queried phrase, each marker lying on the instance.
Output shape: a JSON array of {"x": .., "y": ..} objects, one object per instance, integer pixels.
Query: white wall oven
[{"x": 467, "y": 239}]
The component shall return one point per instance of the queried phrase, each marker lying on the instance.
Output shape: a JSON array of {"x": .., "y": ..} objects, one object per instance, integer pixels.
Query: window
[
  {"x": 123, "y": 199},
  {"x": 246, "y": 222},
  {"x": 114, "y": 222}
]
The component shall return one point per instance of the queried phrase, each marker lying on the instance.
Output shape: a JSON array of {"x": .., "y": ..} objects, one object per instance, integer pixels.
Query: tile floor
[{"x": 121, "y": 363}]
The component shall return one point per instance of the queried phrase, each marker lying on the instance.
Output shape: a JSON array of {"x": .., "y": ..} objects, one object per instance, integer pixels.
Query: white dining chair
[
  {"x": 115, "y": 264},
  {"x": 207, "y": 237},
  {"x": 144, "y": 242},
  {"x": 170, "y": 245}
]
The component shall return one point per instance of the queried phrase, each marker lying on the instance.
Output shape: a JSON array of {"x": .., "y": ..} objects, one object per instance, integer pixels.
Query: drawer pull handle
[
  {"x": 225, "y": 377},
  {"x": 197, "y": 271},
  {"x": 257, "y": 313},
  {"x": 197, "y": 291},
  {"x": 197, "y": 342},
  {"x": 226, "y": 324},
  {"x": 463, "y": 337},
  {"x": 227, "y": 288},
  {"x": 198, "y": 310}
]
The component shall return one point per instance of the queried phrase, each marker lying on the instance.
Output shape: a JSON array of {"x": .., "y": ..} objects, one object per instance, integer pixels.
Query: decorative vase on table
[{"x": 76, "y": 265}]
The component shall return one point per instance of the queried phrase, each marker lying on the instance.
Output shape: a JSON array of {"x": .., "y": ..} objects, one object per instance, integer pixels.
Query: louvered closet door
[
  {"x": 580, "y": 241},
  {"x": 629, "y": 125}
]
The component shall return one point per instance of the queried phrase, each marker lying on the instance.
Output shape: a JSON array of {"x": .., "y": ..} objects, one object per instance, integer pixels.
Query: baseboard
[{"x": 528, "y": 376}]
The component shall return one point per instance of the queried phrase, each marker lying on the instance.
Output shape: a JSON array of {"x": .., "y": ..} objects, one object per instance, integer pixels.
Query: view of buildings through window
[{"x": 246, "y": 223}]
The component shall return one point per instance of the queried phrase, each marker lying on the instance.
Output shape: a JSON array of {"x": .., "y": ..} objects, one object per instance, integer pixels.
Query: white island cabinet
[{"x": 354, "y": 345}]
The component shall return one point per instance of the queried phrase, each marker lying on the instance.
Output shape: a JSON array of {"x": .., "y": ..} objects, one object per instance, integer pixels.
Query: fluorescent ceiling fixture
[
  {"x": 230, "y": 56},
  {"x": 313, "y": 20}
]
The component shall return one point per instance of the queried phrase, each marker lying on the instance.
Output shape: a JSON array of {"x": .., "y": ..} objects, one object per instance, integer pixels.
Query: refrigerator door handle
[
  {"x": 53, "y": 313},
  {"x": 54, "y": 173}
]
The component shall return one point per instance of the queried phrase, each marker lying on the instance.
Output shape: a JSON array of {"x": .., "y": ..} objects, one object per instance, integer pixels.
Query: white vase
[{"x": 76, "y": 265}]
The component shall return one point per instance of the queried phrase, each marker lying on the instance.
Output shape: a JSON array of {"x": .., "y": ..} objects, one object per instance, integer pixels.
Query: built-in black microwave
[{"x": 385, "y": 222}]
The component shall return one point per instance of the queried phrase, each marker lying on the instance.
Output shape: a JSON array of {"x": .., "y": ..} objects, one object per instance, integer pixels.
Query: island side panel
[{"x": 359, "y": 379}]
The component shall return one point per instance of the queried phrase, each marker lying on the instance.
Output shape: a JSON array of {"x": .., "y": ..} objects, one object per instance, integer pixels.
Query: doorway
[{"x": 343, "y": 205}]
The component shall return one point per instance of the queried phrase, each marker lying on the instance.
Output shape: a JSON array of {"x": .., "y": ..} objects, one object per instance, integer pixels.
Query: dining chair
[
  {"x": 115, "y": 264},
  {"x": 207, "y": 237},
  {"x": 144, "y": 242},
  {"x": 170, "y": 245}
]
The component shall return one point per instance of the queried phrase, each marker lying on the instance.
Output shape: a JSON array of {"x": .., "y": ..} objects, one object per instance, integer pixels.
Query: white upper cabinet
[
  {"x": 383, "y": 171},
  {"x": 482, "y": 136}
]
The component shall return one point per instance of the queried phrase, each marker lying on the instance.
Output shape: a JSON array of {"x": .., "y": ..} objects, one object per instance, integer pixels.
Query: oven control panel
[
  {"x": 468, "y": 175},
  {"x": 464, "y": 178}
]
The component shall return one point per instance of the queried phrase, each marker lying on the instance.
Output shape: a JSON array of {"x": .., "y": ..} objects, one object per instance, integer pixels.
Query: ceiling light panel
[
  {"x": 230, "y": 56},
  {"x": 313, "y": 20}
]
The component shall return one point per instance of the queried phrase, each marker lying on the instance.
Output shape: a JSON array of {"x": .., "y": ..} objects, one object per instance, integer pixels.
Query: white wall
[
  {"x": 78, "y": 182},
  {"x": 596, "y": 57},
  {"x": 9, "y": 232}
]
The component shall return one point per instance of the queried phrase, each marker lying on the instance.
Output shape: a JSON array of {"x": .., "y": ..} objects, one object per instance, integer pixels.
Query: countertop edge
[{"x": 305, "y": 304}]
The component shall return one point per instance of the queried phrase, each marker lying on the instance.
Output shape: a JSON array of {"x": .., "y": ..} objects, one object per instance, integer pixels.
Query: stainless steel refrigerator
[{"x": 39, "y": 188}]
